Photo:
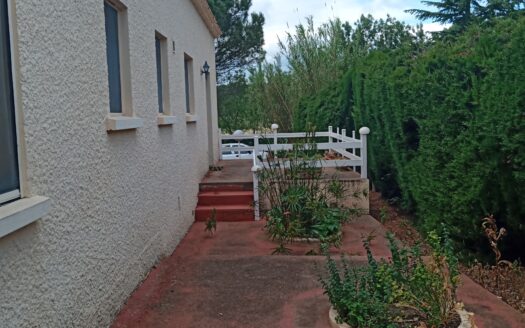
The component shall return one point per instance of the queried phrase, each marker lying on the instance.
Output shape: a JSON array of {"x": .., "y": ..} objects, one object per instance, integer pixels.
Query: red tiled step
[
  {"x": 231, "y": 186},
  {"x": 225, "y": 213},
  {"x": 217, "y": 198}
]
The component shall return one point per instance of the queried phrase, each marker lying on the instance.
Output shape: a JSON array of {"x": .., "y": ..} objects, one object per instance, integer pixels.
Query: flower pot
[
  {"x": 467, "y": 318},
  {"x": 314, "y": 240},
  {"x": 306, "y": 240},
  {"x": 332, "y": 314}
]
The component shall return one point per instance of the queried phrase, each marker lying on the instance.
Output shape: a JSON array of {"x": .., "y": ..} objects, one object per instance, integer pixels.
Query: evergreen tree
[
  {"x": 461, "y": 13},
  {"x": 458, "y": 12},
  {"x": 241, "y": 44},
  {"x": 498, "y": 8}
]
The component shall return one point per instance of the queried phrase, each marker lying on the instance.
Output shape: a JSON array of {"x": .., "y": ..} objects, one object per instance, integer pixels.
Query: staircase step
[
  {"x": 225, "y": 213},
  {"x": 217, "y": 198},
  {"x": 230, "y": 186}
]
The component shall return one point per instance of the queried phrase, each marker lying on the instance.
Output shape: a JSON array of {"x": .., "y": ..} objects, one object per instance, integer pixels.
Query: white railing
[{"x": 352, "y": 151}]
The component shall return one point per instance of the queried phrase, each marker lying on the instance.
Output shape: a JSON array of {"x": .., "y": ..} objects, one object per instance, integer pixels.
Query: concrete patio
[{"x": 231, "y": 280}]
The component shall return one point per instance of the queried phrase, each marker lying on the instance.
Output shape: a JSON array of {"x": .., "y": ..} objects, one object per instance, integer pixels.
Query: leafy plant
[
  {"x": 302, "y": 204},
  {"x": 211, "y": 223},
  {"x": 403, "y": 291},
  {"x": 383, "y": 214}
]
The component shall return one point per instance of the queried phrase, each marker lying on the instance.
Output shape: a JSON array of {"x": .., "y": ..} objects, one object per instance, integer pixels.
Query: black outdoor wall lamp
[{"x": 205, "y": 69}]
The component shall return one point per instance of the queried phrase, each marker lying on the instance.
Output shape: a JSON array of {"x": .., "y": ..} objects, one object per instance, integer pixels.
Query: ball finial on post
[{"x": 364, "y": 130}]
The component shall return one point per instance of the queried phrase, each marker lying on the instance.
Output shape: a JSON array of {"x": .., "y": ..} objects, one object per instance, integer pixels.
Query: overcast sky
[{"x": 283, "y": 15}]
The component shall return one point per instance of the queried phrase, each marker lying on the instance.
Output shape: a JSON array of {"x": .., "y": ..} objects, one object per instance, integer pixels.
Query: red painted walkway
[{"x": 231, "y": 280}]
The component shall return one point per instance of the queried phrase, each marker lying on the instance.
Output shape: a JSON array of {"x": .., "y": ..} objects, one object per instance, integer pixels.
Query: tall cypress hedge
[{"x": 448, "y": 129}]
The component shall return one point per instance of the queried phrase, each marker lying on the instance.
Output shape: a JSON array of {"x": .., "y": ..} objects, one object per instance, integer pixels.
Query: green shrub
[
  {"x": 391, "y": 293},
  {"x": 448, "y": 129},
  {"x": 302, "y": 204}
]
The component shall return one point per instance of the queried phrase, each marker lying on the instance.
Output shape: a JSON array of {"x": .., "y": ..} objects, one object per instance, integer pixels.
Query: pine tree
[
  {"x": 241, "y": 44},
  {"x": 458, "y": 12}
]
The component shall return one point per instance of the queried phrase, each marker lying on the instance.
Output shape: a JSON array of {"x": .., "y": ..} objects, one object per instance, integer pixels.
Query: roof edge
[{"x": 207, "y": 16}]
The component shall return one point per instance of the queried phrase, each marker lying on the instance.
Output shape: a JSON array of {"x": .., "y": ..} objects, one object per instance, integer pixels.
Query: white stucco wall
[{"x": 120, "y": 201}]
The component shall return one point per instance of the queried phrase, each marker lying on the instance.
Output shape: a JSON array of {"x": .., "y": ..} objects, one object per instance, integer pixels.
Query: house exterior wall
[{"x": 120, "y": 200}]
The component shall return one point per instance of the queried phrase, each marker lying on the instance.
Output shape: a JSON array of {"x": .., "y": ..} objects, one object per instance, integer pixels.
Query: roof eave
[{"x": 207, "y": 16}]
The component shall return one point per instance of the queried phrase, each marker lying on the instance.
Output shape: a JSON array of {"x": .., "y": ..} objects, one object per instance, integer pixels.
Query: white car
[{"x": 237, "y": 151}]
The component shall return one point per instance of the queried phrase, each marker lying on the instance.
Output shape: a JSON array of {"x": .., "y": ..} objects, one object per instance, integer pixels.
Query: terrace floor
[
  {"x": 231, "y": 280},
  {"x": 237, "y": 171}
]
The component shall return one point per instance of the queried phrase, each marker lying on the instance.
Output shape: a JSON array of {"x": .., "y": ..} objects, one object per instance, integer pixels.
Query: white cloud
[
  {"x": 434, "y": 27},
  {"x": 282, "y": 16}
]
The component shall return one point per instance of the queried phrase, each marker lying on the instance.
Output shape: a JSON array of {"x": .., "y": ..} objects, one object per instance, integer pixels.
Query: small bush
[
  {"x": 402, "y": 291},
  {"x": 302, "y": 204}
]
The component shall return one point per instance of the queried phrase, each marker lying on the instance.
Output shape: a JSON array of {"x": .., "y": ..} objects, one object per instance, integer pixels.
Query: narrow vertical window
[
  {"x": 9, "y": 174},
  {"x": 119, "y": 68},
  {"x": 163, "y": 90},
  {"x": 188, "y": 79},
  {"x": 113, "y": 58},
  {"x": 158, "y": 52}
]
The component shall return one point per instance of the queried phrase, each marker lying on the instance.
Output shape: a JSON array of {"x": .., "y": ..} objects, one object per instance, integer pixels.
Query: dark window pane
[
  {"x": 113, "y": 57},
  {"x": 187, "y": 81},
  {"x": 159, "y": 74},
  {"x": 9, "y": 179}
]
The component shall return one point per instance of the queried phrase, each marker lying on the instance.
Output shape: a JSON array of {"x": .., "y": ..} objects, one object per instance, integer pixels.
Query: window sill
[
  {"x": 191, "y": 118},
  {"x": 18, "y": 214},
  {"x": 163, "y": 120},
  {"x": 118, "y": 123}
]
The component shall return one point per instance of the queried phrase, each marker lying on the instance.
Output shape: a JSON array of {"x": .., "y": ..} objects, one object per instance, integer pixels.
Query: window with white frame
[
  {"x": 188, "y": 81},
  {"x": 9, "y": 170}
]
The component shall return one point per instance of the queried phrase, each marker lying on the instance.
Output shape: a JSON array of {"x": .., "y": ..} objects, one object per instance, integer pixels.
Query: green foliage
[
  {"x": 390, "y": 293},
  {"x": 311, "y": 87},
  {"x": 383, "y": 215},
  {"x": 210, "y": 225},
  {"x": 302, "y": 204},
  {"x": 446, "y": 114},
  {"x": 322, "y": 109},
  {"x": 241, "y": 44},
  {"x": 458, "y": 12},
  {"x": 449, "y": 130},
  {"x": 235, "y": 109},
  {"x": 461, "y": 13}
]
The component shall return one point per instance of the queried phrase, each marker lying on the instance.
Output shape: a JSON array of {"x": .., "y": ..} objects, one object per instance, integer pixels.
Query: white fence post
[
  {"x": 275, "y": 127},
  {"x": 353, "y": 149},
  {"x": 256, "y": 204},
  {"x": 255, "y": 170},
  {"x": 220, "y": 144},
  {"x": 364, "y": 131},
  {"x": 330, "y": 131},
  {"x": 255, "y": 150}
]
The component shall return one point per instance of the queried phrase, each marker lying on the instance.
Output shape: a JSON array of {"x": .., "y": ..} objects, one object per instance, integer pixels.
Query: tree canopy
[
  {"x": 241, "y": 44},
  {"x": 463, "y": 12}
]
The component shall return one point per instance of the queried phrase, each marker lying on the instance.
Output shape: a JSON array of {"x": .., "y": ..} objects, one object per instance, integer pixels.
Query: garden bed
[
  {"x": 507, "y": 282},
  {"x": 463, "y": 319}
]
